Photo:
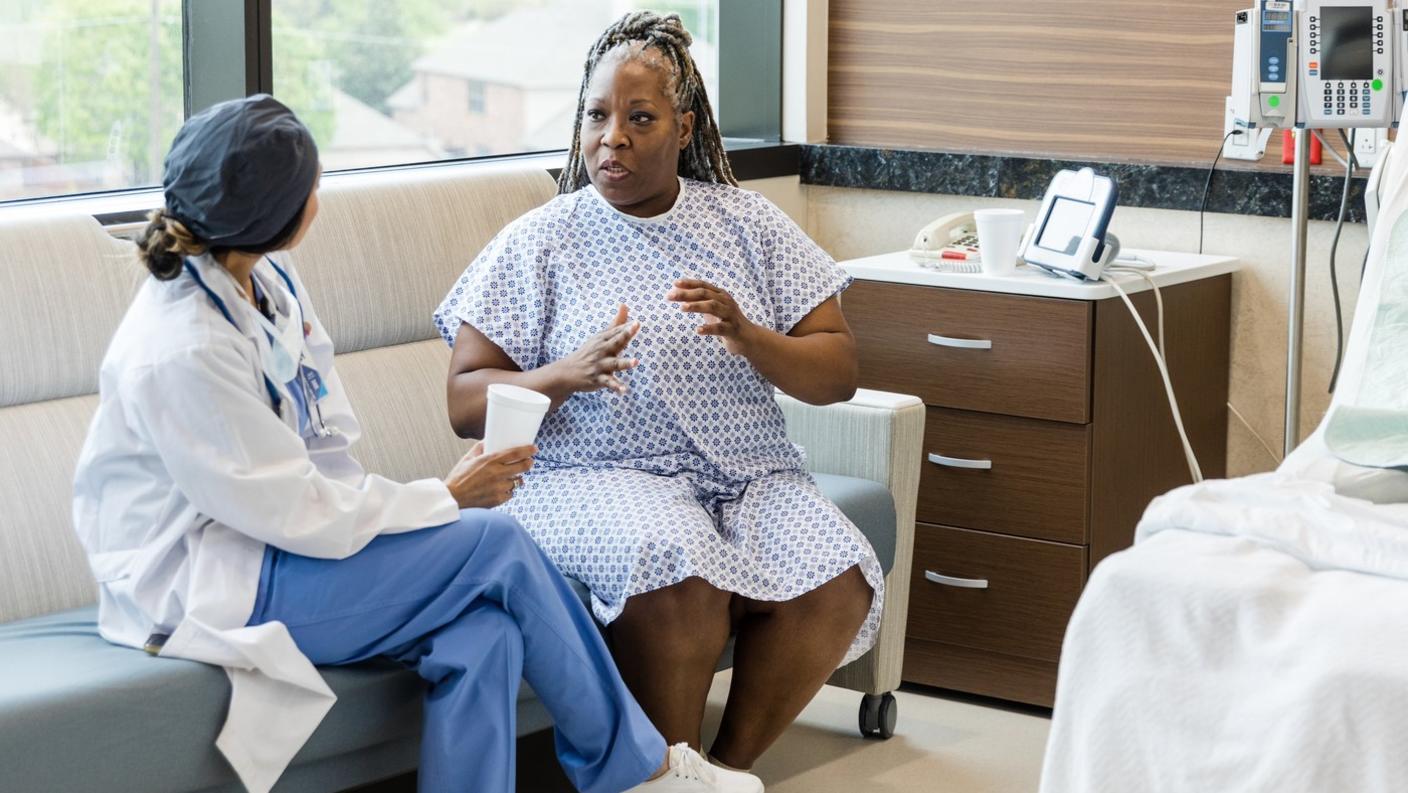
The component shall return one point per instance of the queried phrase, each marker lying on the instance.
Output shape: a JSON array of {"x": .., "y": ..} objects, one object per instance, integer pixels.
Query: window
[
  {"x": 420, "y": 80},
  {"x": 91, "y": 93}
]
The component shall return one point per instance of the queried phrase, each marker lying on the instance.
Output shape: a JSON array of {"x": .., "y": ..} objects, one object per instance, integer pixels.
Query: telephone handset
[{"x": 949, "y": 243}]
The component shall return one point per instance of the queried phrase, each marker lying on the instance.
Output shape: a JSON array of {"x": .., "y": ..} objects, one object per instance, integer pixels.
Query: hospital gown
[{"x": 690, "y": 473}]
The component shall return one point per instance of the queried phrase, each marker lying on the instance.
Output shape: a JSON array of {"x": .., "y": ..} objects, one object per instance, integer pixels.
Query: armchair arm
[{"x": 877, "y": 436}]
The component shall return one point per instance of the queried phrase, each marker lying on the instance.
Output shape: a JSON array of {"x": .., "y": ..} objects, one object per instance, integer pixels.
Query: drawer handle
[
  {"x": 961, "y": 583},
  {"x": 962, "y": 344},
  {"x": 958, "y": 462}
]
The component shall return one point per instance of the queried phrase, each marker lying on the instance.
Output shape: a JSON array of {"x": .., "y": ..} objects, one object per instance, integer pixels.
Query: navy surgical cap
[{"x": 240, "y": 172}]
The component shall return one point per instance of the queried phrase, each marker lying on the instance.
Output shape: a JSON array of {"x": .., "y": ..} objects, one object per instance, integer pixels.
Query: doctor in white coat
[{"x": 227, "y": 523}]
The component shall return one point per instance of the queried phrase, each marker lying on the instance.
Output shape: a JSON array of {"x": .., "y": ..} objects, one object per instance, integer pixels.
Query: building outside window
[
  {"x": 423, "y": 80},
  {"x": 476, "y": 97}
]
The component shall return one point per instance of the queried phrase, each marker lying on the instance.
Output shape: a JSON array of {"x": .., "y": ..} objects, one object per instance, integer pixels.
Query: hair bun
[{"x": 164, "y": 245}]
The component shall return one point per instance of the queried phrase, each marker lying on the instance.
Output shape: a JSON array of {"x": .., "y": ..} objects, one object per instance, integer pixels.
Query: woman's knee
[
  {"x": 843, "y": 599},
  {"x": 684, "y": 603}
]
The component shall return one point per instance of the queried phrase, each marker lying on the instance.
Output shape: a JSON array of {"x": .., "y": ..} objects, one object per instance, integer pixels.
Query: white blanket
[{"x": 1254, "y": 639}]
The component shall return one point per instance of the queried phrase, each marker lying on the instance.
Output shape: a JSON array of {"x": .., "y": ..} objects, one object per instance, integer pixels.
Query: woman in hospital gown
[{"x": 666, "y": 482}]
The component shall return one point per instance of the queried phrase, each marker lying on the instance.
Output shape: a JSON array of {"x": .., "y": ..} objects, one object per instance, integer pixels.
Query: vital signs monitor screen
[
  {"x": 1065, "y": 226},
  {"x": 1347, "y": 51}
]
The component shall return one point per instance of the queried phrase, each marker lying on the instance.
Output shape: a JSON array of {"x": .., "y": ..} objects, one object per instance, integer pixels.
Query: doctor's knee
[{"x": 498, "y": 529}]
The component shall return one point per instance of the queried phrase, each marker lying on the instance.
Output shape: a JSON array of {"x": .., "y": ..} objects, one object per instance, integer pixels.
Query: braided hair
[{"x": 703, "y": 159}]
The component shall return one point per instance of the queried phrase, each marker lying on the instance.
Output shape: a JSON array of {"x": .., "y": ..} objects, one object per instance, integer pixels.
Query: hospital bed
[
  {"x": 78, "y": 714},
  {"x": 1255, "y": 637}
]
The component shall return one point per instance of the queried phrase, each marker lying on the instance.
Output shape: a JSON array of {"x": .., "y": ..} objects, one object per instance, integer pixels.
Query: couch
[{"x": 78, "y": 714}]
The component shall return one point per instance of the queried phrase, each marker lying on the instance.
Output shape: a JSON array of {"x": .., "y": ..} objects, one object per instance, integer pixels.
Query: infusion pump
[{"x": 1320, "y": 64}]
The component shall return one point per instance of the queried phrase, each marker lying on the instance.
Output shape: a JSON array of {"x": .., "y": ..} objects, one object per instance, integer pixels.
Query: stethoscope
[{"x": 310, "y": 394}]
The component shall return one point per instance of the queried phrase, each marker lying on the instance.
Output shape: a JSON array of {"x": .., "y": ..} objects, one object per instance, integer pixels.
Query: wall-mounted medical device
[
  {"x": 1319, "y": 64},
  {"x": 1348, "y": 76},
  {"x": 1071, "y": 234}
]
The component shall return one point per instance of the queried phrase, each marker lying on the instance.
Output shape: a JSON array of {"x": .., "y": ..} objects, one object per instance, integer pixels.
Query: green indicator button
[
  {"x": 1273, "y": 100},
  {"x": 1378, "y": 85}
]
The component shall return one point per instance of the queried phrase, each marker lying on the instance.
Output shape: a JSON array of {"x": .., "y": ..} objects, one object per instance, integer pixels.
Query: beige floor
[{"x": 943, "y": 745}]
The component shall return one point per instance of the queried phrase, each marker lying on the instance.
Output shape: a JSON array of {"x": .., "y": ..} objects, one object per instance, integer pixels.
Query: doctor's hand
[
  {"x": 723, "y": 316},
  {"x": 488, "y": 480},
  {"x": 594, "y": 365}
]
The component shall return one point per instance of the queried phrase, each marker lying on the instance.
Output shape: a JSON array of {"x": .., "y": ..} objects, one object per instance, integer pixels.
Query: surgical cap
[{"x": 240, "y": 172}]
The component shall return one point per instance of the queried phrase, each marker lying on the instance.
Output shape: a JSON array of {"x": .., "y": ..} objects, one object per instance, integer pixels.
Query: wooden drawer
[
  {"x": 1031, "y": 589},
  {"x": 980, "y": 672},
  {"x": 920, "y": 340},
  {"x": 1037, "y": 485}
]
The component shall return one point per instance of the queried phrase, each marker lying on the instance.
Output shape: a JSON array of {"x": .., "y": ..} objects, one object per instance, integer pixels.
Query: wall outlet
[
  {"x": 1245, "y": 144},
  {"x": 1369, "y": 146}
]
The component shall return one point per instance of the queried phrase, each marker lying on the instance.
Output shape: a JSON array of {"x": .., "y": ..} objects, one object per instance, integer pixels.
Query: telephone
[{"x": 949, "y": 244}]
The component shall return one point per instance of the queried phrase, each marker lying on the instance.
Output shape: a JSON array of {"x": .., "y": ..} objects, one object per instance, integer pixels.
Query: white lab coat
[{"x": 187, "y": 473}]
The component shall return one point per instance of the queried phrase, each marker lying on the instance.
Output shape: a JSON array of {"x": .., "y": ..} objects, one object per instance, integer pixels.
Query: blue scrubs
[{"x": 473, "y": 606}]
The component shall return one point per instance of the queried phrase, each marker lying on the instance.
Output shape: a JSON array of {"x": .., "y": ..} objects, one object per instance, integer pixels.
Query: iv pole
[{"x": 1300, "y": 217}]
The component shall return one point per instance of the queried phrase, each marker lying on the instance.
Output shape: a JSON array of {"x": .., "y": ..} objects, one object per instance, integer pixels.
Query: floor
[{"x": 944, "y": 743}]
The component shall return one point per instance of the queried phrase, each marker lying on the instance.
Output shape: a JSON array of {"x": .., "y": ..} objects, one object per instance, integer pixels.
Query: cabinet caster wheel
[{"x": 878, "y": 713}]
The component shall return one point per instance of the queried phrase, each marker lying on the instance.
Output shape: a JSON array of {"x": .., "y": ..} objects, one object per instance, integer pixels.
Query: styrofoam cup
[
  {"x": 999, "y": 237},
  {"x": 513, "y": 417}
]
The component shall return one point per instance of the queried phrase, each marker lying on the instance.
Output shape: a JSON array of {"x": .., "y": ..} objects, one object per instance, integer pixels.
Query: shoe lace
[{"x": 689, "y": 764}]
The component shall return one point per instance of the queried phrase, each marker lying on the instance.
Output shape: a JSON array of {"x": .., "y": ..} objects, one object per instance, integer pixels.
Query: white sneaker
[{"x": 691, "y": 773}]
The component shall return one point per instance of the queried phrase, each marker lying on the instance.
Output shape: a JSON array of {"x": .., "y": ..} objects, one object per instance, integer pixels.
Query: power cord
[
  {"x": 1349, "y": 167},
  {"x": 1207, "y": 187},
  {"x": 1269, "y": 451},
  {"x": 1157, "y": 350}
]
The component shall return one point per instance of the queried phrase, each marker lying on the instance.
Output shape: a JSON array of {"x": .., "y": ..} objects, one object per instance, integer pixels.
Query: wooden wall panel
[{"x": 1131, "y": 80}]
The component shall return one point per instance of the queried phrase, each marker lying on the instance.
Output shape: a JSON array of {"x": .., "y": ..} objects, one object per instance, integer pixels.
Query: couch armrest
[{"x": 877, "y": 436}]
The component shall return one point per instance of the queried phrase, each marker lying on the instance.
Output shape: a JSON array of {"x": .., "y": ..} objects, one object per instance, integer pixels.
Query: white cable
[
  {"x": 1193, "y": 467},
  {"x": 1274, "y": 456},
  {"x": 1158, "y": 299},
  {"x": 1134, "y": 261}
]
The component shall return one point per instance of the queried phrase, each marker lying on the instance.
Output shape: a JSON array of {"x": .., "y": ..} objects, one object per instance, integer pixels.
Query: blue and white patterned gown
[{"x": 690, "y": 473}]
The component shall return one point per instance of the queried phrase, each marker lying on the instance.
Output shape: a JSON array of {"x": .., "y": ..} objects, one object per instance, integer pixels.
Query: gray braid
[{"x": 704, "y": 158}]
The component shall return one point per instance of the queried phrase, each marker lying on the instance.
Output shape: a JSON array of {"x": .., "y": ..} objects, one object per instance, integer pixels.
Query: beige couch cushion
[
  {"x": 399, "y": 395},
  {"x": 70, "y": 283},
  {"x": 384, "y": 251},
  {"x": 42, "y": 566},
  {"x": 67, "y": 285}
]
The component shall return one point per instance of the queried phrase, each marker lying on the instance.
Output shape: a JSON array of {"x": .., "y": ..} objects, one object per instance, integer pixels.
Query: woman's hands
[
  {"x": 729, "y": 324},
  {"x": 594, "y": 365},
  {"x": 488, "y": 480}
]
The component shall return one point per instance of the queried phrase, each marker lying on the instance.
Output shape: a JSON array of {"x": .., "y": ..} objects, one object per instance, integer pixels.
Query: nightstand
[{"x": 1048, "y": 433}]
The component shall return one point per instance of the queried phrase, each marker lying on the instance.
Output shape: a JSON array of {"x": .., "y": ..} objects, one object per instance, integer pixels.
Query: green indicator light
[
  {"x": 1378, "y": 85},
  {"x": 1274, "y": 101}
]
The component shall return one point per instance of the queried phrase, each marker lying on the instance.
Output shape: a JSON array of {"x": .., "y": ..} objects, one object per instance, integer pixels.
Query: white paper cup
[
  {"x": 513, "y": 417},
  {"x": 999, "y": 236}
]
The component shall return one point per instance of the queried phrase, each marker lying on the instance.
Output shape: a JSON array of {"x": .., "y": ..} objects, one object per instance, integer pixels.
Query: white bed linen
[
  {"x": 1255, "y": 638},
  {"x": 1211, "y": 662}
]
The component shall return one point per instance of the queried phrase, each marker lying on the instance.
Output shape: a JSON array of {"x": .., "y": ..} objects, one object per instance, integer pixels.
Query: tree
[
  {"x": 109, "y": 86},
  {"x": 372, "y": 44}
]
